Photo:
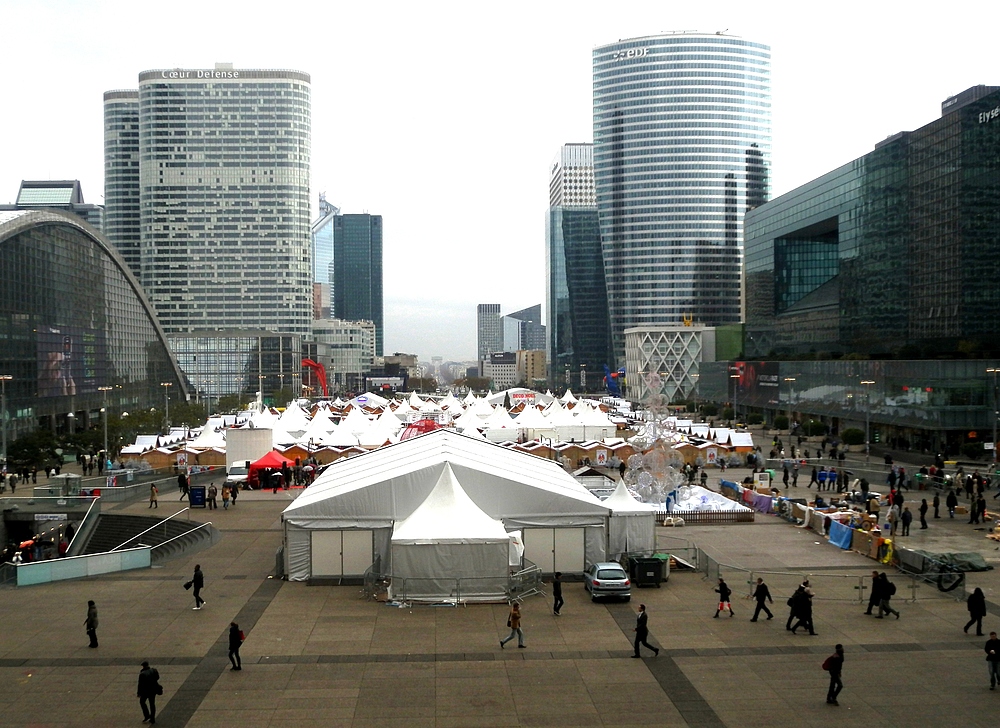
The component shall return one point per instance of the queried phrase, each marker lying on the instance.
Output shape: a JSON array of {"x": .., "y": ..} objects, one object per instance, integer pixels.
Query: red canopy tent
[{"x": 273, "y": 460}]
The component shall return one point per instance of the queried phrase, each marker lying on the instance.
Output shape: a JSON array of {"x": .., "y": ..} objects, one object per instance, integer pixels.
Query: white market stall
[
  {"x": 448, "y": 548},
  {"x": 632, "y": 525},
  {"x": 344, "y": 521}
]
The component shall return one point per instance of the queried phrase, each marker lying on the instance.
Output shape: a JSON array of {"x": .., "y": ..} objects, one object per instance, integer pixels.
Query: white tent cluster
[{"x": 441, "y": 513}]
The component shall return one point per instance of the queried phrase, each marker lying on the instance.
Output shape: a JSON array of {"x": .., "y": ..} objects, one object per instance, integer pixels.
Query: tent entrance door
[
  {"x": 555, "y": 549},
  {"x": 341, "y": 553}
]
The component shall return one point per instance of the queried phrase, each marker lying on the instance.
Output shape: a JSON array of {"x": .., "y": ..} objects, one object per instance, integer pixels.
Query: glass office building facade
[
  {"x": 322, "y": 260},
  {"x": 357, "y": 271},
  {"x": 682, "y": 144},
  {"x": 73, "y": 319},
  {"x": 223, "y": 195},
  {"x": 121, "y": 175},
  {"x": 893, "y": 254}
]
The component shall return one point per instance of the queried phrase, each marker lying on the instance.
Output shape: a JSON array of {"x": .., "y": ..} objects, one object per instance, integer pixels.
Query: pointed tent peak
[
  {"x": 415, "y": 400},
  {"x": 448, "y": 514},
  {"x": 622, "y": 502},
  {"x": 470, "y": 398},
  {"x": 568, "y": 397}
]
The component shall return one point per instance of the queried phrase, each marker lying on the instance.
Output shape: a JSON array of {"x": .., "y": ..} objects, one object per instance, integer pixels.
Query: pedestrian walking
[
  {"x": 813, "y": 479},
  {"x": 235, "y": 492},
  {"x": 951, "y": 501},
  {"x": 834, "y": 664},
  {"x": 976, "y": 604},
  {"x": 147, "y": 690},
  {"x": 641, "y": 630},
  {"x": 557, "y": 598},
  {"x": 183, "y": 486},
  {"x": 724, "y": 594},
  {"x": 795, "y": 475},
  {"x": 875, "y": 598},
  {"x": 993, "y": 659},
  {"x": 154, "y": 496},
  {"x": 91, "y": 622},
  {"x": 213, "y": 494},
  {"x": 226, "y": 492},
  {"x": 198, "y": 582},
  {"x": 937, "y": 505},
  {"x": 235, "y": 640},
  {"x": 887, "y": 591},
  {"x": 761, "y": 593},
  {"x": 907, "y": 519},
  {"x": 923, "y": 513},
  {"x": 803, "y": 608},
  {"x": 514, "y": 622}
]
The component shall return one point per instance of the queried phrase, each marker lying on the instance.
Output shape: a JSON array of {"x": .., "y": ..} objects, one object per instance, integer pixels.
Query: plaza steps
[{"x": 114, "y": 529}]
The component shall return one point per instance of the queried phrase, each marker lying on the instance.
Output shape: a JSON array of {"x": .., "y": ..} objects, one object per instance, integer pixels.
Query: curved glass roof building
[
  {"x": 74, "y": 319},
  {"x": 682, "y": 146}
]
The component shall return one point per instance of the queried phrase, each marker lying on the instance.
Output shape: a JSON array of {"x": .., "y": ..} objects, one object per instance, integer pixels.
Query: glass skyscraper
[
  {"x": 682, "y": 145},
  {"x": 357, "y": 271},
  {"x": 579, "y": 335},
  {"x": 322, "y": 239},
  {"x": 222, "y": 186}
]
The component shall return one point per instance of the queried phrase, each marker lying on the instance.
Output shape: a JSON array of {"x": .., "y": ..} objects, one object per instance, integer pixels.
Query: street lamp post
[
  {"x": 736, "y": 390},
  {"x": 166, "y": 401},
  {"x": 791, "y": 395},
  {"x": 104, "y": 409},
  {"x": 867, "y": 383},
  {"x": 4, "y": 378},
  {"x": 996, "y": 413}
]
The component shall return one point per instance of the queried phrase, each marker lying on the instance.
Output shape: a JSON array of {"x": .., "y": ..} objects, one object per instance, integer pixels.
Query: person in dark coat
[
  {"x": 887, "y": 590},
  {"x": 557, "y": 597},
  {"x": 724, "y": 594},
  {"x": 937, "y": 505},
  {"x": 642, "y": 632},
  {"x": 803, "y": 608},
  {"x": 875, "y": 598},
  {"x": 907, "y": 519},
  {"x": 993, "y": 659},
  {"x": 148, "y": 689},
  {"x": 976, "y": 604},
  {"x": 951, "y": 501},
  {"x": 235, "y": 641},
  {"x": 183, "y": 485},
  {"x": 761, "y": 593},
  {"x": 835, "y": 665},
  {"x": 923, "y": 513},
  {"x": 91, "y": 622},
  {"x": 198, "y": 582}
]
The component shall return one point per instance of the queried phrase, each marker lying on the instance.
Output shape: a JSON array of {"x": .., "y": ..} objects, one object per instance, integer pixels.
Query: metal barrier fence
[
  {"x": 514, "y": 587},
  {"x": 711, "y": 517}
]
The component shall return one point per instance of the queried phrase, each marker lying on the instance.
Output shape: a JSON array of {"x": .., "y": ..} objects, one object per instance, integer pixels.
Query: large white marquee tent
[{"x": 345, "y": 520}]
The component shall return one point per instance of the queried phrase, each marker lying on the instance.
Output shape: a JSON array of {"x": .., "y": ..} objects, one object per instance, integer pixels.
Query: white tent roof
[
  {"x": 470, "y": 398},
  {"x": 532, "y": 418},
  {"x": 468, "y": 421},
  {"x": 499, "y": 419},
  {"x": 568, "y": 397},
  {"x": 293, "y": 419},
  {"x": 622, "y": 503},
  {"x": 449, "y": 401},
  {"x": 448, "y": 515},
  {"x": 388, "y": 484},
  {"x": 368, "y": 400},
  {"x": 741, "y": 439},
  {"x": 481, "y": 408}
]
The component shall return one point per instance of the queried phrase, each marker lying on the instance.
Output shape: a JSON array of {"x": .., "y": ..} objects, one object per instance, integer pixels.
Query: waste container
[
  {"x": 196, "y": 496},
  {"x": 646, "y": 571}
]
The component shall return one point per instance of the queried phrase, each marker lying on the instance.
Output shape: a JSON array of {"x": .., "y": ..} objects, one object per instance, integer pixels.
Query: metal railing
[
  {"x": 151, "y": 528},
  {"x": 514, "y": 587},
  {"x": 86, "y": 525},
  {"x": 181, "y": 535}
]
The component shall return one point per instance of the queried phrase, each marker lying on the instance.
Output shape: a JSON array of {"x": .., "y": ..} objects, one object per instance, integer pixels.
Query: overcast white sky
[{"x": 444, "y": 117}]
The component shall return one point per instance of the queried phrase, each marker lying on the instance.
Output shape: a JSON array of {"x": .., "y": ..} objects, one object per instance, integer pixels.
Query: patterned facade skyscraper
[
  {"x": 682, "y": 146},
  {"x": 222, "y": 189}
]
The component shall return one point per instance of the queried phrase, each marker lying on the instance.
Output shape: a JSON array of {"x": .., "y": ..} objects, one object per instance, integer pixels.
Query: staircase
[{"x": 114, "y": 529}]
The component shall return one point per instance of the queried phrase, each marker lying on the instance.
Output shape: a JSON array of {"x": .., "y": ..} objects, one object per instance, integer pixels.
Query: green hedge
[
  {"x": 781, "y": 422},
  {"x": 853, "y": 436},
  {"x": 815, "y": 428},
  {"x": 755, "y": 419}
]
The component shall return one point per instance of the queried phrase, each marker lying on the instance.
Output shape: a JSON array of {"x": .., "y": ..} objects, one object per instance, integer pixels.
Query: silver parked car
[{"x": 607, "y": 579}]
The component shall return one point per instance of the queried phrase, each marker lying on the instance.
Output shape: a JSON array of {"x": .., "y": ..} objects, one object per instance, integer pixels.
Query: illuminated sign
[{"x": 630, "y": 53}]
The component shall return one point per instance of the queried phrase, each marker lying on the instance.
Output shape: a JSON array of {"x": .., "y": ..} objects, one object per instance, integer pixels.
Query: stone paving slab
[{"x": 325, "y": 656}]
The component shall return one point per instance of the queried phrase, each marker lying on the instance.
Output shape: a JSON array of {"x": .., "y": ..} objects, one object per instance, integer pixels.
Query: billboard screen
[{"x": 71, "y": 360}]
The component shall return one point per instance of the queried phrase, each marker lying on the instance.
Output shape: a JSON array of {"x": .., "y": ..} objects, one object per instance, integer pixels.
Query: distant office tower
[
  {"x": 579, "y": 335},
  {"x": 223, "y": 190},
  {"x": 357, "y": 271},
  {"x": 121, "y": 175},
  {"x": 526, "y": 329},
  {"x": 322, "y": 239},
  {"x": 65, "y": 195},
  {"x": 571, "y": 181},
  {"x": 489, "y": 329},
  {"x": 682, "y": 145}
]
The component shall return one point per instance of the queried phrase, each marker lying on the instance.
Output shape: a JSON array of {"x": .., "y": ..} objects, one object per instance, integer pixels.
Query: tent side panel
[
  {"x": 443, "y": 571},
  {"x": 327, "y": 553},
  {"x": 569, "y": 552},
  {"x": 357, "y": 551},
  {"x": 297, "y": 553}
]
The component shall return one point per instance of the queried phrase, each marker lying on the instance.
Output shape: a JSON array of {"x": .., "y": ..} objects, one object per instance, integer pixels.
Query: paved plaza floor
[{"x": 324, "y": 656}]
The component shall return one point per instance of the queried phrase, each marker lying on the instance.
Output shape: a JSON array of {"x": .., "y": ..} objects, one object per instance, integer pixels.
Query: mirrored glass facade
[
  {"x": 121, "y": 175},
  {"x": 357, "y": 276},
  {"x": 73, "y": 319},
  {"x": 682, "y": 145},
  {"x": 893, "y": 254}
]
